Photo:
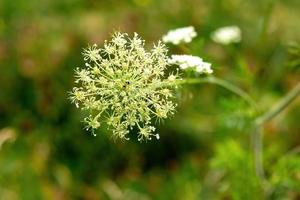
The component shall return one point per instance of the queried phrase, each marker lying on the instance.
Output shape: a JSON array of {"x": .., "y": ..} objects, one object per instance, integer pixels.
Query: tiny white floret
[{"x": 157, "y": 136}]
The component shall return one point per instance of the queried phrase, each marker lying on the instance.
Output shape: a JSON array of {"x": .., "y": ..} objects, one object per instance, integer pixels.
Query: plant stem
[
  {"x": 279, "y": 107},
  {"x": 257, "y": 144},
  {"x": 266, "y": 20},
  {"x": 256, "y": 136},
  {"x": 222, "y": 83},
  {"x": 260, "y": 121}
]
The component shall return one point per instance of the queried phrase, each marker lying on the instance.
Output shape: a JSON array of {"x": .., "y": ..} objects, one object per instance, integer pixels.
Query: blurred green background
[{"x": 205, "y": 149}]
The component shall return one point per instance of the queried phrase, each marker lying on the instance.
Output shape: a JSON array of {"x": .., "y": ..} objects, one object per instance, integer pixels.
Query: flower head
[
  {"x": 227, "y": 35},
  {"x": 180, "y": 35},
  {"x": 194, "y": 62},
  {"x": 123, "y": 85}
]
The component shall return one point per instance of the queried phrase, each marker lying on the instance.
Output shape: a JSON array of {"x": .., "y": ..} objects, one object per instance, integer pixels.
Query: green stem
[
  {"x": 260, "y": 121},
  {"x": 266, "y": 20},
  {"x": 257, "y": 131},
  {"x": 257, "y": 145},
  {"x": 222, "y": 83},
  {"x": 279, "y": 107},
  {"x": 257, "y": 134}
]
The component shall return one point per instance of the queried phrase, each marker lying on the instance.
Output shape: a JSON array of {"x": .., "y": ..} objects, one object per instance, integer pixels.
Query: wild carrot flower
[
  {"x": 227, "y": 35},
  {"x": 180, "y": 35},
  {"x": 194, "y": 62},
  {"x": 123, "y": 85}
]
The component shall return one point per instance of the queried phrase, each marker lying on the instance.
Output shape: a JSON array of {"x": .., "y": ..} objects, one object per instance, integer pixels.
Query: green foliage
[
  {"x": 285, "y": 178},
  {"x": 239, "y": 179},
  {"x": 294, "y": 52}
]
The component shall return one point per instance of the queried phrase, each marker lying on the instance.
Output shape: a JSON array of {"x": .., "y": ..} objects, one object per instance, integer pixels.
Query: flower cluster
[
  {"x": 123, "y": 85},
  {"x": 227, "y": 35},
  {"x": 180, "y": 35},
  {"x": 194, "y": 62}
]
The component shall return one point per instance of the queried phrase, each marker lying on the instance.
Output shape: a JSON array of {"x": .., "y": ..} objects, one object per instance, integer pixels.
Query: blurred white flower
[
  {"x": 180, "y": 35},
  {"x": 188, "y": 61},
  {"x": 227, "y": 35}
]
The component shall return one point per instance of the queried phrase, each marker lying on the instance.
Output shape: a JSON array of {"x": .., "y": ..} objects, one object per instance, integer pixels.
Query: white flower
[
  {"x": 180, "y": 35},
  {"x": 125, "y": 86},
  {"x": 188, "y": 61},
  {"x": 227, "y": 35}
]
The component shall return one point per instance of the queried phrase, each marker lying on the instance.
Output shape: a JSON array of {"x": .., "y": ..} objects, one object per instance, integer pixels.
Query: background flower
[
  {"x": 180, "y": 35},
  {"x": 193, "y": 62},
  {"x": 227, "y": 35}
]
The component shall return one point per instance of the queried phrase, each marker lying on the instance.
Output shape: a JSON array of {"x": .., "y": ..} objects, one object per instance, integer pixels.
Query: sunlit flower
[
  {"x": 123, "y": 85},
  {"x": 180, "y": 35},
  {"x": 91, "y": 53},
  {"x": 227, "y": 35},
  {"x": 194, "y": 62}
]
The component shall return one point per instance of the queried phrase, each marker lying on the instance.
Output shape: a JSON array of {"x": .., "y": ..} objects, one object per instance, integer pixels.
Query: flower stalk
[
  {"x": 257, "y": 136},
  {"x": 221, "y": 82},
  {"x": 279, "y": 107}
]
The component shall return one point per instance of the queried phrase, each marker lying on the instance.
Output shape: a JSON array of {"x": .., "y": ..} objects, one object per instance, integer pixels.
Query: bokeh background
[{"x": 204, "y": 151}]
